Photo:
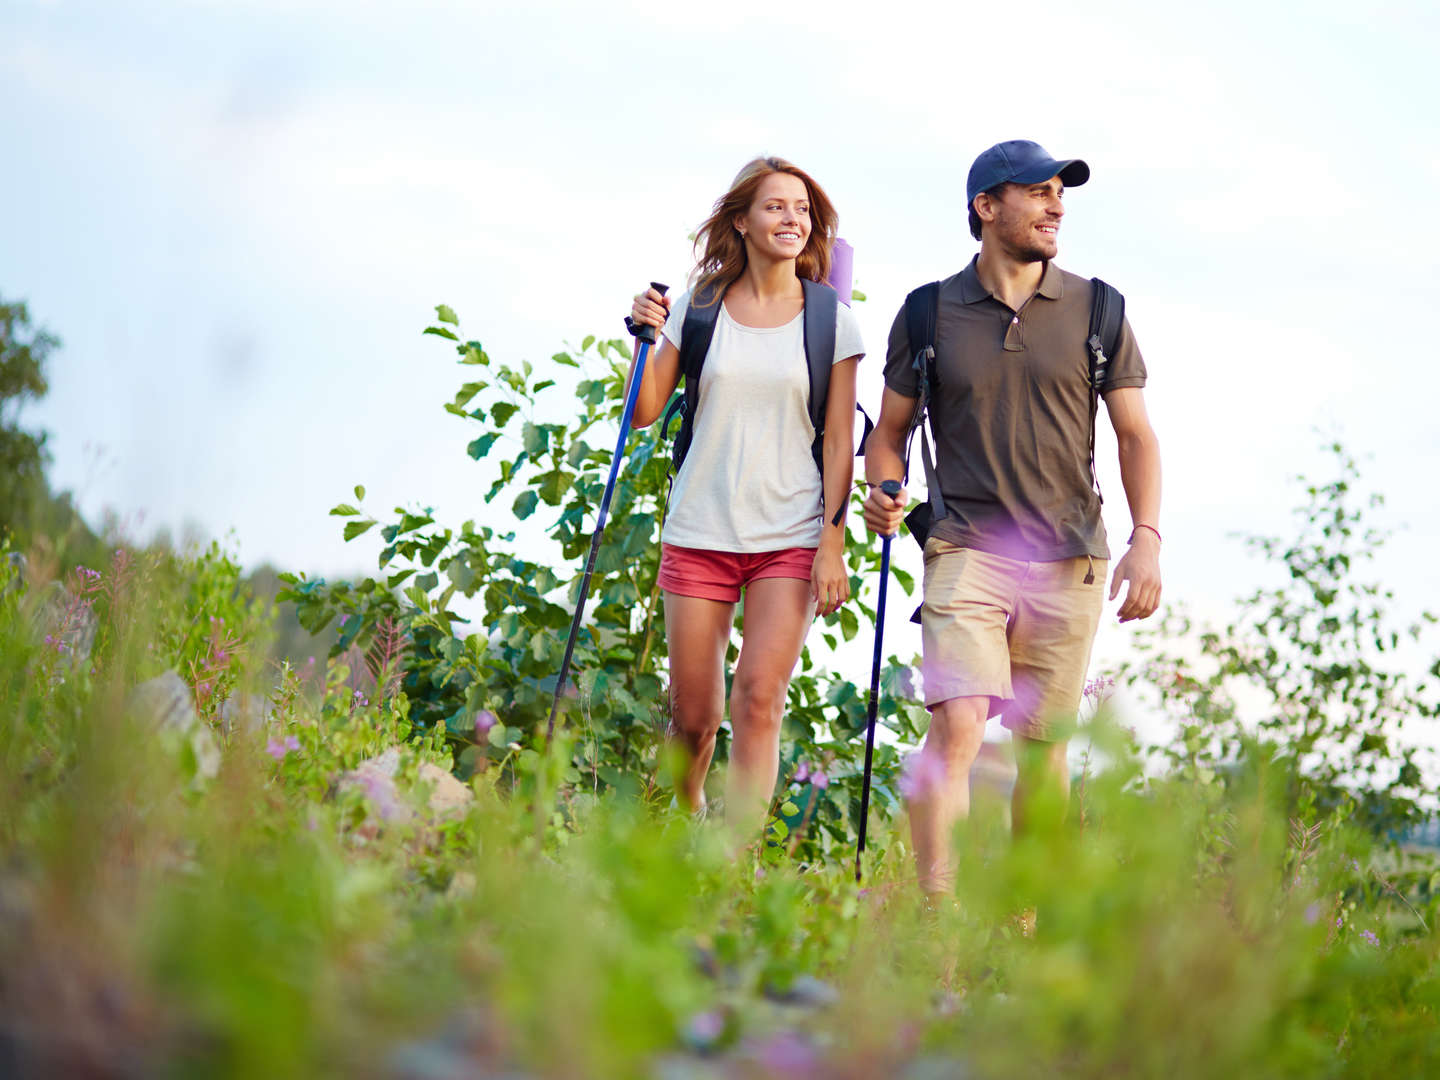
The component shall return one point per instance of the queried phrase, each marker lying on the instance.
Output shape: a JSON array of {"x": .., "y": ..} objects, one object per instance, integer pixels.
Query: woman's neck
[{"x": 766, "y": 280}]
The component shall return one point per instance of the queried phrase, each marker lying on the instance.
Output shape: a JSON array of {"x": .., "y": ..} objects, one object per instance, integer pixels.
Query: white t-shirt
[{"x": 749, "y": 482}]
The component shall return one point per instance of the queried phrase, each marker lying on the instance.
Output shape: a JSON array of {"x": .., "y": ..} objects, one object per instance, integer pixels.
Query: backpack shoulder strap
[
  {"x": 695, "y": 334},
  {"x": 1107, "y": 319},
  {"x": 821, "y": 304},
  {"x": 922, "y": 315}
]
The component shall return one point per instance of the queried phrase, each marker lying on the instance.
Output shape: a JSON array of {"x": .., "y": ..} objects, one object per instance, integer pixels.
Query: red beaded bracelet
[{"x": 1137, "y": 528}]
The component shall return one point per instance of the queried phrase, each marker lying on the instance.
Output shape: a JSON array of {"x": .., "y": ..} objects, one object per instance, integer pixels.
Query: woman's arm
[
  {"x": 828, "y": 577},
  {"x": 662, "y": 365}
]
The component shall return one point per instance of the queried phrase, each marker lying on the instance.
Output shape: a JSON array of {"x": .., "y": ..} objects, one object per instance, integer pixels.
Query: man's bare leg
[
  {"x": 1041, "y": 796},
  {"x": 957, "y": 728}
]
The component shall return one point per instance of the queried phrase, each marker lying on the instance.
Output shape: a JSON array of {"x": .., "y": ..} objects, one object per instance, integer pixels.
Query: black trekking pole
[
  {"x": 891, "y": 488},
  {"x": 645, "y": 336}
]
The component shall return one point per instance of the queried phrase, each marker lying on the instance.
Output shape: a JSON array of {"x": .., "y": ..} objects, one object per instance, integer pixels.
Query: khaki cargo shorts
[{"x": 1017, "y": 632}]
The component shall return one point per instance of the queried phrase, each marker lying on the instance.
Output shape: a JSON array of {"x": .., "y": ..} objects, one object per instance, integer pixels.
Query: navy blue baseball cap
[{"x": 1021, "y": 161}]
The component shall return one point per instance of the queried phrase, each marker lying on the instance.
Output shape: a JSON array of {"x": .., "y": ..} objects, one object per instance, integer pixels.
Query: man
[{"x": 1015, "y": 569}]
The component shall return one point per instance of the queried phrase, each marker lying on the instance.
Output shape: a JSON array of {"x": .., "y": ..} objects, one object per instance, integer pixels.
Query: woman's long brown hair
[{"x": 722, "y": 259}]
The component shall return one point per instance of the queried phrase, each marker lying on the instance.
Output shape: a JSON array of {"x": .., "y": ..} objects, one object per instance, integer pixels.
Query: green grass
[{"x": 268, "y": 922}]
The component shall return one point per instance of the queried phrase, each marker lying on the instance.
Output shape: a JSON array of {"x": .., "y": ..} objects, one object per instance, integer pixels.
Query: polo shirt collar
[{"x": 1052, "y": 283}]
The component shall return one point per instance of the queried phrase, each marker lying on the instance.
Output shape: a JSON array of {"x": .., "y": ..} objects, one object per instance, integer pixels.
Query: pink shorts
[{"x": 720, "y": 575}]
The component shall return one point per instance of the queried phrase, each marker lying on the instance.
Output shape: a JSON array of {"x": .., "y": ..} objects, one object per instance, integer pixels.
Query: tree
[{"x": 23, "y": 457}]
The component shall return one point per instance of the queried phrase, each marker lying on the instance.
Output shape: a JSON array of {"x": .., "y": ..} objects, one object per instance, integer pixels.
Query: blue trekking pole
[
  {"x": 645, "y": 336},
  {"x": 891, "y": 488}
]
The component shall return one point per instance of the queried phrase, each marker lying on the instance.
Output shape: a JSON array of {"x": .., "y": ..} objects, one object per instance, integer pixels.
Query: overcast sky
[{"x": 239, "y": 216}]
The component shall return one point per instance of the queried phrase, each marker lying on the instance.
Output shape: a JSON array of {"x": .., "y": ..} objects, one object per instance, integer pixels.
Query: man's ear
[{"x": 984, "y": 207}]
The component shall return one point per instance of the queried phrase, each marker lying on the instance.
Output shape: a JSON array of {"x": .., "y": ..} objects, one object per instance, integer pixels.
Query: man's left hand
[{"x": 1140, "y": 566}]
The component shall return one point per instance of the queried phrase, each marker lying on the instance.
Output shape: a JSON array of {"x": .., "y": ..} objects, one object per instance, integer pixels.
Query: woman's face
[{"x": 778, "y": 221}]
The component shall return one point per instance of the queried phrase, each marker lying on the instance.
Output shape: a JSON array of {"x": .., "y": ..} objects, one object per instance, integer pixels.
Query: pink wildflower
[
  {"x": 819, "y": 779},
  {"x": 802, "y": 772},
  {"x": 484, "y": 721}
]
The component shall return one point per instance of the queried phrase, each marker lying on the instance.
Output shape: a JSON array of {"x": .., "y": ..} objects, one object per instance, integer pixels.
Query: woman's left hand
[{"x": 829, "y": 581}]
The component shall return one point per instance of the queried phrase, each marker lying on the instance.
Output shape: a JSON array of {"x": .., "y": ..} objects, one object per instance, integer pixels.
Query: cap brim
[{"x": 1072, "y": 173}]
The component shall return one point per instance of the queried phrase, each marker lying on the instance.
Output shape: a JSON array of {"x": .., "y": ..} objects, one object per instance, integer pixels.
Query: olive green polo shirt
[{"x": 1011, "y": 416}]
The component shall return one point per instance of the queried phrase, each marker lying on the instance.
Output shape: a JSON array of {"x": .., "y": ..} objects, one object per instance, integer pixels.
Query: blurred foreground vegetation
[{"x": 370, "y": 864}]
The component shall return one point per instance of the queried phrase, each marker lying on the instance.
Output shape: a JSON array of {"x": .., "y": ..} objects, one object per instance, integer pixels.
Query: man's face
[{"x": 1024, "y": 221}]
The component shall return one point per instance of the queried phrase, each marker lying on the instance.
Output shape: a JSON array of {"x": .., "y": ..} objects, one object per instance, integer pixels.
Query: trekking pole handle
[
  {"x": 890, "y": 487},
  {"x": 646, "y": 333}
]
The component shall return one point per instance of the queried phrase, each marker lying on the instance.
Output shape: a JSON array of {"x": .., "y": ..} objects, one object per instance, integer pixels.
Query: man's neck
[{"x": 1008, "y": 279}]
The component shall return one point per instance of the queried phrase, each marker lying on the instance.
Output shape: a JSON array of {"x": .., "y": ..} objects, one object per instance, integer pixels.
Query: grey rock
[
  {"x": 244, "y": 714},
  {"x": 165, "y": 702},
  {"x": 376, "y": 778},
  {"x": 806, "y": 992}
]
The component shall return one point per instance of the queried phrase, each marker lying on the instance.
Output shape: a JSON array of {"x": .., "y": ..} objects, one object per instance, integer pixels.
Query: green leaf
[
  {"x": 473, "y": 354},
  {"x": 849, "y": 623},
  {"x": 502, "y": 412},
  {"x": 553, "y": 486},
  {"x": 344, "y": 510},
  {"x": 360, "y": 492},
  {"x": 907, "y": 582},
  {"x": 481, "y": 446},
  {"x": 525, "y": 504},
  {"x": 566, "y": 359},
  {"x": 856, "y": 294},
  {"x": 543, "y": 384},
  {"x": 355, "y": 528},
  {"x": 440, "y": 331},
  {"x": 589, "y": 340},
  {"x": 536, "y": 438},
  {"x": 446, "y": 315},
  {"x": 427, "y": 581}
]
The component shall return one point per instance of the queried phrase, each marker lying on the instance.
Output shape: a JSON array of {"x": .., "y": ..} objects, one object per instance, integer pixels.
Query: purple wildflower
[
  {"x": 1369, "y": 935},
  {"x": 787, "y": 1054},
  {"x": 484, "y": 721},
  {"x": 706, "y": 1027},
  {"x": 819, "y": 779},
  {"x": 802, "y": 772},
  {"x": 922, "y": 773},
  {"x": 1312, "y": 913},
  {"x": 278, "y": 748}
]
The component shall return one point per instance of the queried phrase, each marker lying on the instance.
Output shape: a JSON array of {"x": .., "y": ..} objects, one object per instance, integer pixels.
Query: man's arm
[
  {"x": 885, "y": 460},
  {"x": 1140, "y": 474}
]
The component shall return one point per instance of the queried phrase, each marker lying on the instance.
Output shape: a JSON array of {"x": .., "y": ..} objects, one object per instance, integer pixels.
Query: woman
[{"x": 749, "y": 509}]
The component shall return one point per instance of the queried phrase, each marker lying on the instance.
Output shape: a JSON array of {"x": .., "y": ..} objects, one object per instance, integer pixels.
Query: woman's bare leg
[
  {"x": 697, "y": 631},
  {"x": 778, "y": 612}
]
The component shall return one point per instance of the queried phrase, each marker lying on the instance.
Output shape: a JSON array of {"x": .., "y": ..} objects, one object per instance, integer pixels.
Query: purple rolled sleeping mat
[{"x": 842, "y": 265}]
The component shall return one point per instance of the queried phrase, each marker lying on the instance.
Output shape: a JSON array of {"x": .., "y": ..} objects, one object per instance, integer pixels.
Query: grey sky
[{"x": 239, "y": 216}]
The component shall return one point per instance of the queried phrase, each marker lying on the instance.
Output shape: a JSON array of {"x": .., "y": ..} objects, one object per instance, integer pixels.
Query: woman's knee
[{"x": 758, "y": 698}]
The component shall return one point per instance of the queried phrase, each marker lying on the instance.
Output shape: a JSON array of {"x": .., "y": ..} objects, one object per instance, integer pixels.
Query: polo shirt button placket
[{"x": 1014, "y": 338}]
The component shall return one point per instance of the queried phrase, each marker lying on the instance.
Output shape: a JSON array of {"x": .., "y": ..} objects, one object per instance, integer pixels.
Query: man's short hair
[{"x": 994, "y": 193}]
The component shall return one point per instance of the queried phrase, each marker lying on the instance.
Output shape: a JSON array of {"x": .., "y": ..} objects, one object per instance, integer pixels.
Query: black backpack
[
  {"x": 922, "y": 306},
  {"x": 695, "y": 334}
]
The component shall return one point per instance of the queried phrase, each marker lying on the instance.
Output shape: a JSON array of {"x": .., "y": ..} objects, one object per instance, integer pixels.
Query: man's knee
[{"x": 957, "y": 729}]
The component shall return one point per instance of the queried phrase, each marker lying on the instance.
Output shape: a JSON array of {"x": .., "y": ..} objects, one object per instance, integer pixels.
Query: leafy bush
[
  {"x": 491, "y": 689},
  {"x": 1321, "y": 656}
]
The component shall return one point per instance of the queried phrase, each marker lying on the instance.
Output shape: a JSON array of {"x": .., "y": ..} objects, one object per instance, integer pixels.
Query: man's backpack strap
[
  {"x": 922, "y": 309},
  {"x": 1107, "y": 319}
]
